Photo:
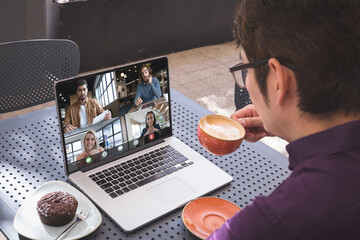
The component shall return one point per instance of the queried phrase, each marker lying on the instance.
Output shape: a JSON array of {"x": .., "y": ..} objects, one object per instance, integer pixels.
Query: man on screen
[
  {"x": 82, "y": 113},
  {"x": 149, "y": 88}
]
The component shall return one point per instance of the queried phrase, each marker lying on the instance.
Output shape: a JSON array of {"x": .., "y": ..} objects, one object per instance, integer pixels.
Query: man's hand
[
  {"x": 150, "y": 79},
  {"x": 138, "y": 101},
  {"x": 69, "y": 128},
  {"x": 107, "y": 116},
  {"x": 249, "y": 118}
]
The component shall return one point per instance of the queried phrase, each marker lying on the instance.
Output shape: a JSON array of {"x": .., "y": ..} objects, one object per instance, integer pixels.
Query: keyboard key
[
  {"x": 109, "y": 190},
  {"x": 125, "y": 189},
  {"x": 95, "y": 179},
  {"x": 101, "y": 182},
  {"x": 106, "y": 185},
  {"x": 101, "y": 176},
  {"x": 168, "y": 171},
  {"x": 113, "y": 195},
  {"x": 132, "y": 186},
  {"x": 119, "y": 192},
  {"x": 180, "y": 160},
  {"x": 150, "y": 179}
]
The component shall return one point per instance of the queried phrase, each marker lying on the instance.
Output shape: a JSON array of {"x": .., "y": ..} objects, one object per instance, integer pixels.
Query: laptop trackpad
[{"x": 171, "y": 192}]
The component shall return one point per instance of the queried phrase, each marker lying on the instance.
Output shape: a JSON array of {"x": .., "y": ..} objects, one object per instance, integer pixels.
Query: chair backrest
[
  {"x": 241, "y": 97},
  {"x": 29, "y": 68}
]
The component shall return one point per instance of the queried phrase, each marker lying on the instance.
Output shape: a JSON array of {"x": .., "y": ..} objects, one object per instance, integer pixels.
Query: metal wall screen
[
  {"x": 30, "y": 155},
  {"x": 28, "y": 70}
]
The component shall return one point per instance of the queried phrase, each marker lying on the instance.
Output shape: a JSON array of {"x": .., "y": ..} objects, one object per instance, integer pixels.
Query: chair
[
  {"x": 241, "y": 97},
  {"x": 29, "y": 68}
]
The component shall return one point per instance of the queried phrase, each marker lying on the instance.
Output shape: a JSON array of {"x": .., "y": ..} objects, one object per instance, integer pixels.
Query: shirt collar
[
  {"x": 334, "y": 140},
  {"x": 86, "y": 100}
]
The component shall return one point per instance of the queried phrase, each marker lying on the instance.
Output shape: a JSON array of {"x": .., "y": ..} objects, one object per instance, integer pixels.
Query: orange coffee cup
[{"x": 220, "y": 135}]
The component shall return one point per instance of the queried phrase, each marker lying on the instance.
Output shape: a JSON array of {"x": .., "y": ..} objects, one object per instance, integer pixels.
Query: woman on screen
[
  {"x": 91, "y": 145},
  {"x": 152, "y": 131}
]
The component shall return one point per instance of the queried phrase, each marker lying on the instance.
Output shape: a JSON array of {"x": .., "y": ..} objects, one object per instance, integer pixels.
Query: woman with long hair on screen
[
  {"x": 152, "y": 131},
  {"x": 91, "y": 145}
]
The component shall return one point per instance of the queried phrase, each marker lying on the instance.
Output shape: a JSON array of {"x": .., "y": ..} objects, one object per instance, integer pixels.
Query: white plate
[{"x": 28, "y": 224}]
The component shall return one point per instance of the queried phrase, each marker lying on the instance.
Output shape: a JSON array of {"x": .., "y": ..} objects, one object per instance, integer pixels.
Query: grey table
[{"x": 30, "y": 155}]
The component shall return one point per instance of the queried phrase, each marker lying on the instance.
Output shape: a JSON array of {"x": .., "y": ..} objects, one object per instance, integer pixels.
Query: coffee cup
[{"x": 220, "y": 135}]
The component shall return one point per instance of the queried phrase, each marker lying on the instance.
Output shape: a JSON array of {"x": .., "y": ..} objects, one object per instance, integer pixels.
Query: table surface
[{"x": 30, "y": 155}]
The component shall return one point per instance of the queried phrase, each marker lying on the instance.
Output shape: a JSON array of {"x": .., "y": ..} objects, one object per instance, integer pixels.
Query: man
[
  {"x": 82, "y": 113},
  {"x": 149, "y": 87},
  {"x": 301, "y": 66}
]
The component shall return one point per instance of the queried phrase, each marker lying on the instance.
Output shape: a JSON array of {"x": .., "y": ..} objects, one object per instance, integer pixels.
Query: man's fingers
[{"x": 251, "y": 122}]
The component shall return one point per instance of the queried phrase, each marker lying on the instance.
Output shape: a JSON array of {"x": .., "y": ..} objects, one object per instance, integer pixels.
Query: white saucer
[{"x": 28, "y": 224}]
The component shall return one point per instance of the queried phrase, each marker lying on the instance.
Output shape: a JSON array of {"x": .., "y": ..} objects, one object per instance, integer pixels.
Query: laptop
[{"x": 134, "y": 169}]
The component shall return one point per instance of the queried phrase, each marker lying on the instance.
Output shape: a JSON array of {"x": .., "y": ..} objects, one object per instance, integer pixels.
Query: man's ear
[{"x": 282, "y": 80}]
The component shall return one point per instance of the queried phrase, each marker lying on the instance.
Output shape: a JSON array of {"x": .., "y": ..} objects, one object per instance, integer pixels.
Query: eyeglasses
[{"x": 239, "y": 71}]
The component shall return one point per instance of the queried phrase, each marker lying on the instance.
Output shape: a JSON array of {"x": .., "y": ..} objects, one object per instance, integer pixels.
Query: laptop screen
[{"x": 113, "y": 113}]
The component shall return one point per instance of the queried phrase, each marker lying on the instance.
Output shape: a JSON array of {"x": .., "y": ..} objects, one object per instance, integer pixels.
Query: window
[
  {"x": 136, "y": 130},
  {"x": 105, "y": 89},
  {"x": 73, "y": 149},
  {"x": 110, "y": 136}
]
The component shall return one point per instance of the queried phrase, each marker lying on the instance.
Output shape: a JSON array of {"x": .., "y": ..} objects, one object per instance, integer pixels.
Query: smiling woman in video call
[
  {"x": 152, "y": 131},
  {"x": 91, "y": 145}
]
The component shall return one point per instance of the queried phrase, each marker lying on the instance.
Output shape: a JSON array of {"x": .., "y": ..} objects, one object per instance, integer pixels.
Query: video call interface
[{"x": 113, "y": 112}]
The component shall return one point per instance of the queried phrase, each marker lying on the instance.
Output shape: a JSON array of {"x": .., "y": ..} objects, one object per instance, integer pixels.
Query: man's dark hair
[
  {"x": 80, "y": 83},
  {"x": 144, "y": 66},
  {"x": 150, "y": 112},
  {"x": 321, "y": 38}
]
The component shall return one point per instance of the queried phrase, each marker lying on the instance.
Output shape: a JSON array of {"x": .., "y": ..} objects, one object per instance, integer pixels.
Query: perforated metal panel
[
  {"x": 30, "y": 155},
  {"x": 241, "y": 97},
  {"x": 28, "y": 70}
]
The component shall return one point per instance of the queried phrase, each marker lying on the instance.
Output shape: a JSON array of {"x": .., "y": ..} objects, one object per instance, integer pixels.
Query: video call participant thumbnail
[
  {"x": 82, "y": 113},
  {"x": 152, "y": 131},
  {"x": 91, "y": 145},
  {"x": 149, "y": 87}
]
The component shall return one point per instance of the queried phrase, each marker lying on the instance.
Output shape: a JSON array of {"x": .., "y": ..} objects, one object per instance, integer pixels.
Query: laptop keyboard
[{"x": 136, "y": 172}]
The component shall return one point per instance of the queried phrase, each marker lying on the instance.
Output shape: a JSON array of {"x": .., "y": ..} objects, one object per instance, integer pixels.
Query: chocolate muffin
[{"x": 57, "y": 208}]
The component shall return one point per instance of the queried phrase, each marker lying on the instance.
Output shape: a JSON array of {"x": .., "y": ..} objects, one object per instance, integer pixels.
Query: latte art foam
[{"x": 222, "y": 131}]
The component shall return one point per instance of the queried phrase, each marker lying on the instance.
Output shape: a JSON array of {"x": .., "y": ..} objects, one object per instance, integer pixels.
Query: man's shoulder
[
  {"x": 75, "y": 105},
  {"x": 93, "y": 101}
]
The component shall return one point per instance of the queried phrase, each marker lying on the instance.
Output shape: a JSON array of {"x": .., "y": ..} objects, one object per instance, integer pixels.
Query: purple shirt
[{"x": 319, "y": 200}]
